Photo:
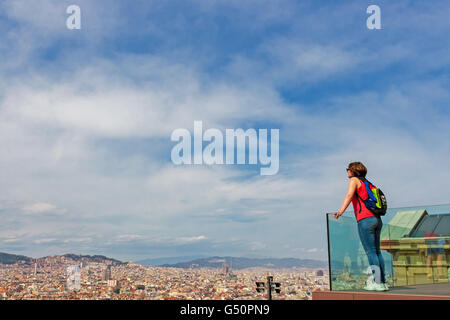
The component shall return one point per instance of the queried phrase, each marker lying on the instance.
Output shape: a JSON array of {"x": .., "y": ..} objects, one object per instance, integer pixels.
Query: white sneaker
[
  {"x": 386, "y": 287},
  {"x": 375, "y": 287},
  {"x": 369, "y": 284}
]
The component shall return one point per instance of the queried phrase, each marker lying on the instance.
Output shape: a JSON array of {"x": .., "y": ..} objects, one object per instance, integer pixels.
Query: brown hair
[{"x": 358, "y": 169}]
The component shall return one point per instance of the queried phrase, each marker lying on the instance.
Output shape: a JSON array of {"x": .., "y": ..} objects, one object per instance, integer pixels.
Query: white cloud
[
  {"x": 45, "y": 240},
  {"x": 128, "y": 237},
  {"x": 190, "y": 239},
  {"x": 257, "y": 246},
  {"x": 112, "y": 107},
  {"x": 308, "y": 62},
  {"x": 42, "y": 207},
  {"x": 79, "y": 240}
]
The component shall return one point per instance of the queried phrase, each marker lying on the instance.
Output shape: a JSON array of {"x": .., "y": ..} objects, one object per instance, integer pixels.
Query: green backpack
[{"x": 376, "y": 201}]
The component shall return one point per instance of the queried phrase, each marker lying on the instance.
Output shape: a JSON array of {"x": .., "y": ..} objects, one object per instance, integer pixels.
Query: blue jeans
[{"x": 369, "y": 230}]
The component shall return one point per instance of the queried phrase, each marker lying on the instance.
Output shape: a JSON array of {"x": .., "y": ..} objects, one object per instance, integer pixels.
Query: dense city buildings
[{"x": 48, "y": 279}]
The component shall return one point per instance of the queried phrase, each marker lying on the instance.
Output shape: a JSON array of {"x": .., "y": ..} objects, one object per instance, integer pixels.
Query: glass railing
[{"x": 415, "y": 245}]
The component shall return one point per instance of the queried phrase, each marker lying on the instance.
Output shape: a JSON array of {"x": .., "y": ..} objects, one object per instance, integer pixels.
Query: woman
[{"x": 369, "y": 225}]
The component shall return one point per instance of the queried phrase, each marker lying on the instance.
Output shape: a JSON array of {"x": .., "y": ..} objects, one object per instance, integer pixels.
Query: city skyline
[{"x": 55, "y": 276}]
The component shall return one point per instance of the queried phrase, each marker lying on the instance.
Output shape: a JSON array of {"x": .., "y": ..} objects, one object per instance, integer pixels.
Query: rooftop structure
[{"x": 420, "y": 247}]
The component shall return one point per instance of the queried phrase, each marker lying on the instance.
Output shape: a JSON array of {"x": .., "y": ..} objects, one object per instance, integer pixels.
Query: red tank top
[{"x": 365, "y": 213}]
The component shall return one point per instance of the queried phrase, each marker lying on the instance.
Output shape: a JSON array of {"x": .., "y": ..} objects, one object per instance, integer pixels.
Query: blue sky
[{"x": 86, "y": 117}]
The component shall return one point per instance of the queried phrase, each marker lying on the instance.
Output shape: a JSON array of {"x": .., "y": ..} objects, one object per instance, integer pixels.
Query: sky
[{"x": 86, "y": 118}]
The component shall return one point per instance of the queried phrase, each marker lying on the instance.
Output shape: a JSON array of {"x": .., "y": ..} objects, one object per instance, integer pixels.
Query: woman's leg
[
  {"x": 378, "y": 250},
  {"x": 367, "y": 233}
]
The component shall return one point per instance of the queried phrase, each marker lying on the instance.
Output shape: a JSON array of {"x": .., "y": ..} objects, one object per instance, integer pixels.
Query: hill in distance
[
  {"x": 168, "y": 260},
  {"x": 94, "y": 258},
  {"x": 243, "y": 263},
  {"x": 6, "y": 258},
  {"x": 186, "y": 262}
]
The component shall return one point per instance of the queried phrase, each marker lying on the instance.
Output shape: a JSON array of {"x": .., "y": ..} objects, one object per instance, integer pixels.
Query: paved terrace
[{"x": 439, "y": 291}]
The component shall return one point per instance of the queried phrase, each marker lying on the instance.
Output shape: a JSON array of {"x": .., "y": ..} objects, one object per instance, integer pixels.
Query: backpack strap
[
  {"x": 362, "y": 179},
  {"x": 359, "y": 201}
]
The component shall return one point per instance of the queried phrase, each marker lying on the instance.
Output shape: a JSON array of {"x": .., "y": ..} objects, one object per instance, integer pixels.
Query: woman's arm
[{"x": 352, "y": 184}]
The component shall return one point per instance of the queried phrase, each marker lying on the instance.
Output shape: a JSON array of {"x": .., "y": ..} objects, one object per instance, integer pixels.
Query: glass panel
[{"x": 415, "y": 245}]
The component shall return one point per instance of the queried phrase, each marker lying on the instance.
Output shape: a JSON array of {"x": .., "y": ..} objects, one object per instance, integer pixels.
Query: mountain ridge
[
  {"x": 8, "y": 258},
  {"x": 243, "y": 263},
  {"x": 185, "y": 262}
]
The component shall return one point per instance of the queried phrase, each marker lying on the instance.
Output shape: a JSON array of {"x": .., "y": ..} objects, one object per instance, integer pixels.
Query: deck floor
[
  {"x": 418, "y": 292},
  {"x": 435, "y": 289}
]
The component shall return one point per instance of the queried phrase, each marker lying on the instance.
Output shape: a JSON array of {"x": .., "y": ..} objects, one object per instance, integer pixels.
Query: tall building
[
  {"x": 225, "y": 268},
  {"x": 106, "y": 273}
]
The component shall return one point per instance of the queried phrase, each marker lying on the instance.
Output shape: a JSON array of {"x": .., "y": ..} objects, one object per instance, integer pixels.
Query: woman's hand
[
  {"x": 352, "y": 185},
  {"x": 337, "y": 214}
]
